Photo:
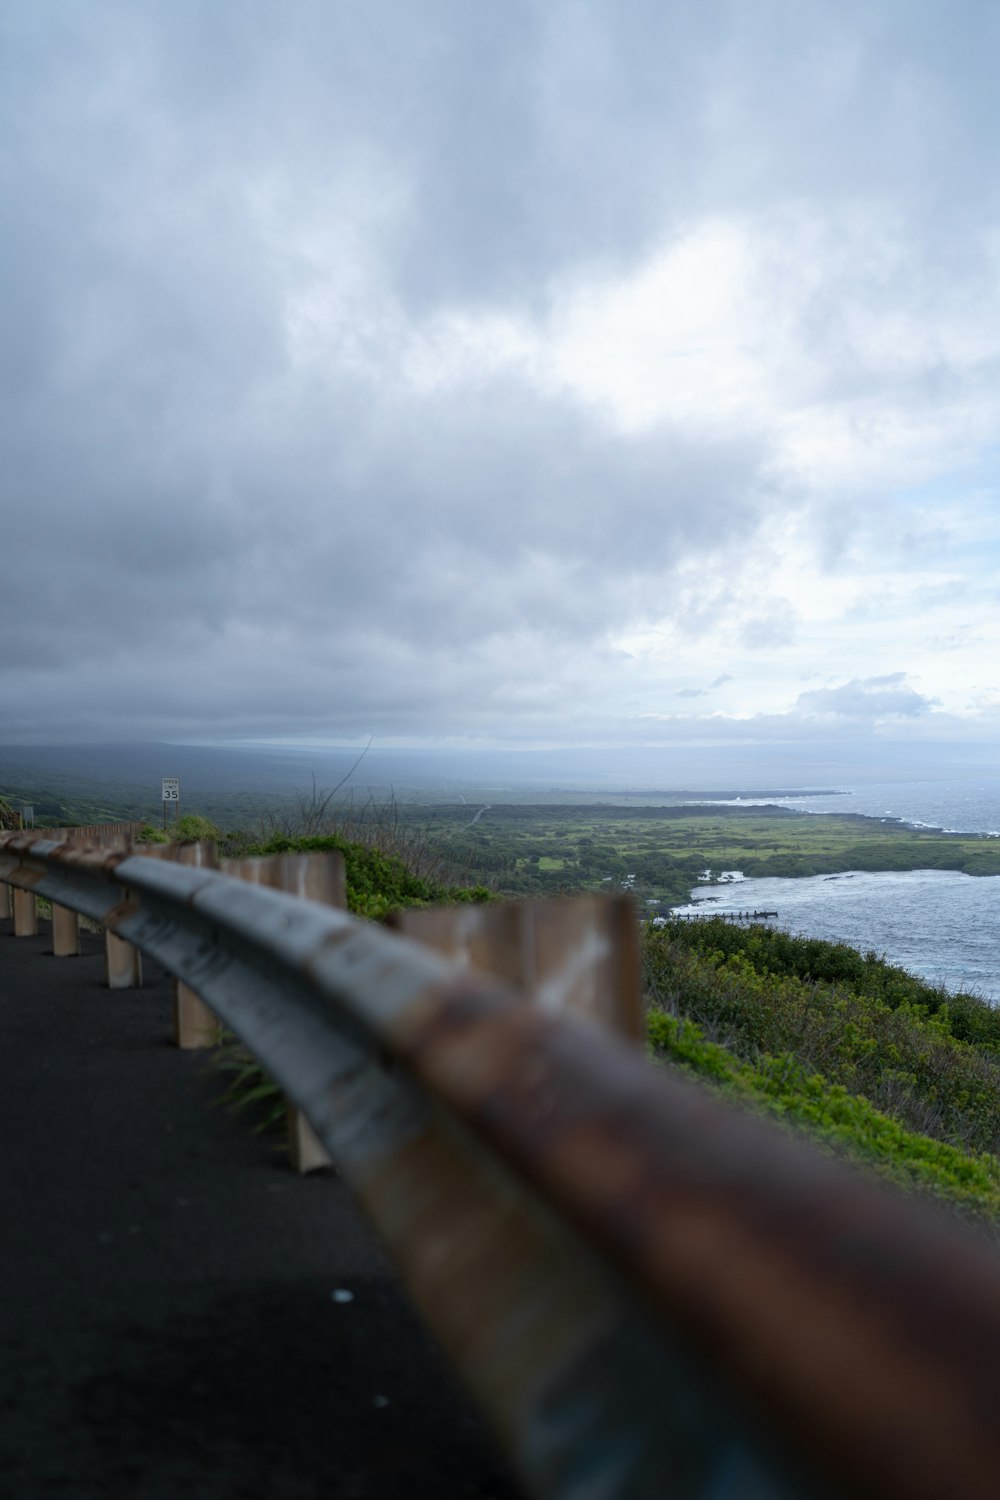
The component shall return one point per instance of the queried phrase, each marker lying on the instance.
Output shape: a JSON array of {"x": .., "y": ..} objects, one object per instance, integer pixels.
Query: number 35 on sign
[{"x": 171, "y": 789}]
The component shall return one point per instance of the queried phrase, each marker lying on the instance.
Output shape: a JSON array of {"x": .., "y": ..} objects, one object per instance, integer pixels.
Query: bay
[
  {"x": 957, "y": 806},
  {"x": 940, "y": 924}
]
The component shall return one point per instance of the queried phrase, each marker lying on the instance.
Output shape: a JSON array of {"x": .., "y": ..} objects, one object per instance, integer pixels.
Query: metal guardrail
[{"x": 649, "y": 1294}]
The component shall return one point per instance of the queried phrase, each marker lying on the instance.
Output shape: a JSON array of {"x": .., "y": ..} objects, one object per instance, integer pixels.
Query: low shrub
[
  {"x": 881, "y": 1041},
  {"x": 783, "y": 1087},
  {"x": 377, "y": 884}
]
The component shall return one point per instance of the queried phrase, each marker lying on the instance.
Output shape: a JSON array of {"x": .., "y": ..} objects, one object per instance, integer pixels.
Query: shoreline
[{"x": 937, "y": 924}]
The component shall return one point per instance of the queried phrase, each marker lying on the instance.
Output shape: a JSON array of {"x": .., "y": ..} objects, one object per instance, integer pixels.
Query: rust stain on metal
[
  {"x": 576, "y": 954},
  {"x": 23, "y": 878},
  {"x": 116, "y": 915},
  {"x": 91, "y": 856},
  {"x": 855, "y": 1326},
  {"x": 505, "y": 1299},
  {"x": 788, "y": 1272}
]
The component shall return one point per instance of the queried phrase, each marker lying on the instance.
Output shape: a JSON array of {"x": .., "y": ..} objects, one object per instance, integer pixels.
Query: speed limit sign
[{"x": 171, "y": 789}]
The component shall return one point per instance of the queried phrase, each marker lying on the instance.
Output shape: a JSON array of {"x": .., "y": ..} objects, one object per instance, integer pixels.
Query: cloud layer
[{"x": 448, "y": 376}]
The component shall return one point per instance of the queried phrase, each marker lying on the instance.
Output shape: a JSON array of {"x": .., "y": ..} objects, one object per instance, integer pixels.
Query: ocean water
[
  {"x": 956, "y": 806},
  {"x": 940, "y": 924}
]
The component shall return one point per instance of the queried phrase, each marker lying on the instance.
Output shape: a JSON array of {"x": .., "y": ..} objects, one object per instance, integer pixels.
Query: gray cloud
[
  {"x": 868, "y": 699},
  {"x": 775, "y": 627},
  {"x": 702, "y": 692},
  {"x": 229, "y": 507}
]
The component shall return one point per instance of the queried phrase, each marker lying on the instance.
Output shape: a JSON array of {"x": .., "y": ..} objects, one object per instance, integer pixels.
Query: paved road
[{"x": 169, "y": 1324}]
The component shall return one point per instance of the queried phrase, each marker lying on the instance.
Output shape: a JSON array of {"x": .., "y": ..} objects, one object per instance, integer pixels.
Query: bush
[
  {"x": 191, "y": 828},
  {"x": 377, "y": 883},
  {"x": 150, "y": 835},
  {"x": 783, "y": 1087},
  {"x": 869, "y": 1029}
]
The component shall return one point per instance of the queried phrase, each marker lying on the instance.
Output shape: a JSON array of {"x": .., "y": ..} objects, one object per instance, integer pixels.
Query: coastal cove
[
  {"x": 939, "y": 924},
  {"x": 884, "y": 867},
  {"x": 660, "y": 850},
  {"x": 967, "y": 806},
  {"x": 925, "y": 898}
]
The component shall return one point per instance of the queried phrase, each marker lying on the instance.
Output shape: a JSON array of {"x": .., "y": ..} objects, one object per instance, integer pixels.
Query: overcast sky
[{"x": 457, "y": 371}]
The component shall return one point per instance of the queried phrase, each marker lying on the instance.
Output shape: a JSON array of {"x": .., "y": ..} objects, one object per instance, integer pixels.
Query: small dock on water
[{"x": 726, "y": 916}]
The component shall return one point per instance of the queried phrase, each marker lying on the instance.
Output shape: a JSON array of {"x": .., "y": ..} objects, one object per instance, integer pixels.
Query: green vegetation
[
  {"x": 57, "y": 809},
  {"x": 378, "y": 882},
  {"x": 64, "y": 799},
  {"x": 783, "y": 1087},
  {"x": 191, "y": 827},
  {"x": 659, "y": 852},
  {"x": 867, "y": 1059}
]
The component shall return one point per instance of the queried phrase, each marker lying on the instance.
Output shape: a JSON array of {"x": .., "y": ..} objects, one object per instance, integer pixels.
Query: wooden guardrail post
[
  {"x": 25, "y": 913},
  {"x": 122, "y": 963},
  {"x": 318, "y": 875},
  {"x": 195, "y": 1024},
  {"x": 65, "y": 932},
  {"x": 306, "y": 1152},
  {"x": 578, "y": 953}
]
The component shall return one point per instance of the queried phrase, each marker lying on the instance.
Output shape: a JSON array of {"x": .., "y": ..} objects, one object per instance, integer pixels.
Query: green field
[
  {"x": 658, "y": 851},
  {"x": 661, "y": 851}
]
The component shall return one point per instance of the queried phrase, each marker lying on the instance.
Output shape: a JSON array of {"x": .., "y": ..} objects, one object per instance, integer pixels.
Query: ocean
[
  {"x": 971, "y": 806},
  {"x": 939, "y": 924}
]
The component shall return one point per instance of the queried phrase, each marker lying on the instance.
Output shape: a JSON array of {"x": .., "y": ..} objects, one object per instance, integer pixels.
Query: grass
[
  {"x": 538, "y": 848},
  {"x": 662, "y": 850},
  {"x": 378, "y": 881},
  {"x": 860, "y": 1055},
  {"x": 783, "y": 1087}
]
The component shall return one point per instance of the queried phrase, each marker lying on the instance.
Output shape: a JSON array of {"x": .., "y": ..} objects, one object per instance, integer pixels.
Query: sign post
[{"x": 171, "y": 793}]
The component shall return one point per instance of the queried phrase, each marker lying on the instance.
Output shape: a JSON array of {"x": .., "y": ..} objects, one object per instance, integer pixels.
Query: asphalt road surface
[{"x": 169, "y": 1319}]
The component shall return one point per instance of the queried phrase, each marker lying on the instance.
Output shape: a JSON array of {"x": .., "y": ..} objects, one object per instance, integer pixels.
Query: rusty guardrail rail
[{"x": 649, "y": 1294}]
